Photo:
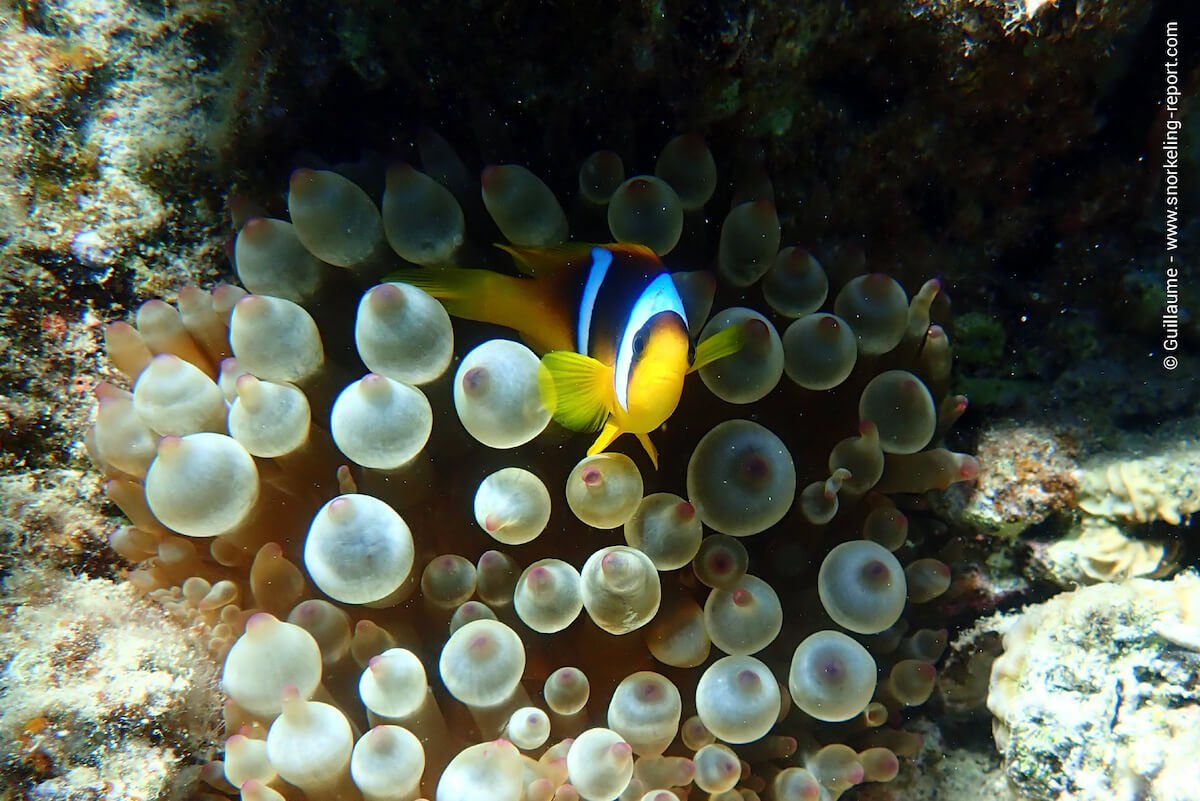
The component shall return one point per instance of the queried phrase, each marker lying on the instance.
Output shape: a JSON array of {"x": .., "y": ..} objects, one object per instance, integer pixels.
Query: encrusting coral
[
  {"x": 499, "y": 649},
  {"x": 1164, "y": 486},
  {"x": 89, "y": 667},
  {"x": 1114, "y": 666},
  {"x": 1126, "y": 508}
]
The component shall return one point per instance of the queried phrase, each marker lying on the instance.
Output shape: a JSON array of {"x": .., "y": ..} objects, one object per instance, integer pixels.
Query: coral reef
[
  {"x": 104, "y": 695},
  {"x": 1133, "y": 502},
  {"x": 1099, "y": 550},
  {"x": 1027, "y": 476},
  {"x": 1163, "y": 486},
  {"x": 1114, "y": 666},
  {"x": 109, "y": 108},
  {"x": 1087, "y": 507},
  {"x": 997, "y": 144}
]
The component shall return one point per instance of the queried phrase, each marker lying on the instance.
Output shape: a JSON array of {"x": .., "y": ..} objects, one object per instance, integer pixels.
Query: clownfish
[{"x": 609, "y": 325}]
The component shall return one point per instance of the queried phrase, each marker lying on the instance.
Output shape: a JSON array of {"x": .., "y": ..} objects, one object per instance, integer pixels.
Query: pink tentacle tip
[
  {"x": 252, "y": 304},
  {"x": 877, "y": 281},
  {"x": 756, "y": 331},
  {"x": 756, "y": 466},
  {"x": 639, "y": 185},
  {"x": 301, "y": 178},
  {"x": 720, "y": 563},
  {"x": 398, "y": 170},
  {"x": 490, "y": 175},
  {"x": 243, "y": 382},
  {"x": 685, "y": 511},
  {"x": 256, "y": 226},
  {"x": 105, "y": 391},
  {"x": 259, "y": 621},
  {"x": 748, "y": 678},
  {"x": 385, "y": 296},
  {"x": 968, "y": 468},
  {"x": 475, "y": 381},
  {"x": 875, "y": 570},
  {"x": 829, "y": 323},
  {"x": 539, "y": 577},
  {"x": 591, "y": 476},
  {"x": 306, "y": 612}
]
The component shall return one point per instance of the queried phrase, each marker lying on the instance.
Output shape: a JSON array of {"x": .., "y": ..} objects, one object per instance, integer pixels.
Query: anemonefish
[{"x": 608, "y": 321}]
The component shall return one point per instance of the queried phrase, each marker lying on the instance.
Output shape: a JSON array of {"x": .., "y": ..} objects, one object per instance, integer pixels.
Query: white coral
[{"x": 1096, "y": 694}]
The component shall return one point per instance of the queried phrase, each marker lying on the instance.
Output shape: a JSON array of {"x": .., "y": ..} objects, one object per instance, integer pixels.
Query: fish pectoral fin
[
  {"x": 610, "y": 432},
  {"x": 577, "y": 389},
  {"x": 651, "y": 451},
  {"x": 725, "y": 342}
]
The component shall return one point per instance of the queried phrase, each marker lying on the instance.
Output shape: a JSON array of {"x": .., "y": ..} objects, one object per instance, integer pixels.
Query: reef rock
[{"x": 1097, "y": 696}]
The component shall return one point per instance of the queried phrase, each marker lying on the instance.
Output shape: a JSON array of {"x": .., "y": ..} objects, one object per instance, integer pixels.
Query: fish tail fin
[{"x": 481, "y": 295}]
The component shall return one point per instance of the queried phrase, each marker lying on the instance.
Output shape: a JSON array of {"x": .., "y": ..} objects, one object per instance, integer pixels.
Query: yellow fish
[{"x": 609, "y": 322}]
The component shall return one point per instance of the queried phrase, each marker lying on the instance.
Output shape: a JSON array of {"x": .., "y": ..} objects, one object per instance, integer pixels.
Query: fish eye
[{"x": 639, "y": 343}]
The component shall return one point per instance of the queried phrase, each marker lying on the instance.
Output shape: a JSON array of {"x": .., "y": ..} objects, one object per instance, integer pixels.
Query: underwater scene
[{"x": 509, "y": 400}]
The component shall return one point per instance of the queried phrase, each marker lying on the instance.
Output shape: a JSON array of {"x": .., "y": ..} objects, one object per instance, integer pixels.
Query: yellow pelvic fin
[
  {"x": 610, "y": 432},
  {"x": 725, "y": 342},
  {"x": 651, "y": 451},
  {"x": 577, "y": 389}
]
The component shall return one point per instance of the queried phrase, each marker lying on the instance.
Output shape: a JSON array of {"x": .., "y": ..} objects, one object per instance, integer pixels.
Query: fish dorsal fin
[
  {"x": 577, "y": 389},
  {"x": 725, "y": 342},
  {"x": 633, "y": 248},
  {"x": 547, "y": 261}
]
